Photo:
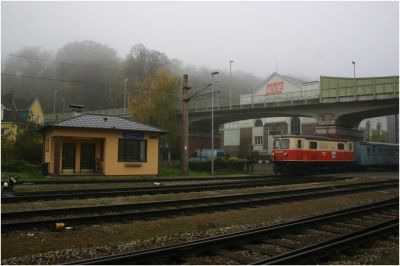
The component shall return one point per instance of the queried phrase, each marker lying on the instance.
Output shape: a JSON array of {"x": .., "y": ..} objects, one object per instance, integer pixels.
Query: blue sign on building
[{"x": 133, "y": 135}]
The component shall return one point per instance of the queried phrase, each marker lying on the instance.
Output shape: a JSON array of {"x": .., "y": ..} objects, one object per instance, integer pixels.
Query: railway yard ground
[{"x": 88, "y": 240}]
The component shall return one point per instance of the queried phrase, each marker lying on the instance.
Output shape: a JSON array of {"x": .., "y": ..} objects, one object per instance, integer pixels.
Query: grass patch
[
  {"x": 175, "y": 171},
  {"x": 28, "y": 172},
  {"x": 33, "y": 174}
]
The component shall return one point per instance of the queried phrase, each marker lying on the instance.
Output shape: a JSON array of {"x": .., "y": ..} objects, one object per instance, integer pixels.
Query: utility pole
[
  {"x": 125, "y": 95},
  {"x": 354, "y": 79},
  {"x": 212, "y": 120},
  {"x": 185, "y": 127},
  {"x": 54, "y": 103},
  {"x": 230, "y": 84}
]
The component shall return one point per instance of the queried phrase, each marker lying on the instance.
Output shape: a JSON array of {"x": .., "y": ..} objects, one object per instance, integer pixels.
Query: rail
[
  {"x": 225, "y": 245},
  {"x": 116, "y": 192},
  {"x": 18, "y": 220}
]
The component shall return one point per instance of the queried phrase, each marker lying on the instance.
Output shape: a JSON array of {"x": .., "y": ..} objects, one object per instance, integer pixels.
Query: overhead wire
[
  {"x": 63, "y": 63},
  {"x": 82, "y": 82},
  {"x": 64, "y": 80}
]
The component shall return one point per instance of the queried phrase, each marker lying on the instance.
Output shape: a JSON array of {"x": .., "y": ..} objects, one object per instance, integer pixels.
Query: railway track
[
  {"x": 118, "y": 192},
  {"x": 296, "y": 242},
  {"x": 144, "y": 180},
  {"x": 45, "y": 218}
]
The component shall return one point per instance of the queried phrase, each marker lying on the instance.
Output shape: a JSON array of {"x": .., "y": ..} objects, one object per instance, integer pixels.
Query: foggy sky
[{"x": 300, "y": 38}]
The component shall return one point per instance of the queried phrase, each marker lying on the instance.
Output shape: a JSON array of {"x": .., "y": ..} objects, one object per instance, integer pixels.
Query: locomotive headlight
[
  {"x": 273, "y": 154},
  {"x": 285, "y": 154}
]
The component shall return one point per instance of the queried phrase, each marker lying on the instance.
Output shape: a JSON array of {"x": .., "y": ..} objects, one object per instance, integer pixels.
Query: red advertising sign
[{"x": 274, "y": 88}]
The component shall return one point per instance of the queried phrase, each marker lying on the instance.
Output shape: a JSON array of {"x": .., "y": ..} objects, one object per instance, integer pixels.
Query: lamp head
[{"x": 215, "y": 73}]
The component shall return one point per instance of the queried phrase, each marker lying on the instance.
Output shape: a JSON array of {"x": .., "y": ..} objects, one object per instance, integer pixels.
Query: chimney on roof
[{"x": 76, "y": 108}]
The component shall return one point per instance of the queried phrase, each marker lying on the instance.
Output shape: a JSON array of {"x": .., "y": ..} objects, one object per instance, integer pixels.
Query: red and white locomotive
[{"x": 303, "y": 154}]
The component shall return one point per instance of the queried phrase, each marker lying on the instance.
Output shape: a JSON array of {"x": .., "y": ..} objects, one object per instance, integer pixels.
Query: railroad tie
[
  {"x": 197, "y": 261},
  {"x": 235, "y": 256},
  {"x": 260, "y": 249},
  {"x": 281, "y": 243}
]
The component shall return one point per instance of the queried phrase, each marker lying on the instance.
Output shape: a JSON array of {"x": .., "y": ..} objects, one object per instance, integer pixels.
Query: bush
[
  {"x": 28, "y": 145},
  {"x": 26, "y": 149},
  {"x": 17, "y": 166},
  {"x": 220, "y": 165}
]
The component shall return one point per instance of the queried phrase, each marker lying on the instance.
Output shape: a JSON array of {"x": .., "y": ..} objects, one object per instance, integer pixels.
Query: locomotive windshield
[{"x": 281, "y": 144}]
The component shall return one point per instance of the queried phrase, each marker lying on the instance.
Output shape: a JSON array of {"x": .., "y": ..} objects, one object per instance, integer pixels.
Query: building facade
[
  {"x": 240, "y": 138},
  {"x": 100, "y": 144}
]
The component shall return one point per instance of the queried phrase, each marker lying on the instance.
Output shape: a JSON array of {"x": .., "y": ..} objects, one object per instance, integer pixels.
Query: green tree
[
  {"x": 161, "y": 109},
  {"x": 7, "y": 148},
  {"x": 28, "y": 144},
  {"x": 141, "y": 66},
  {"x": 93, "y": 68},
  {"x": 24, "y": 71},
  {"x": 25, "y": 152}
]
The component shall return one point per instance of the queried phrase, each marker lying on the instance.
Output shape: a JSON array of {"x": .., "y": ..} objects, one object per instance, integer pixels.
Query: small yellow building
[{"x": 101, "y": 144}]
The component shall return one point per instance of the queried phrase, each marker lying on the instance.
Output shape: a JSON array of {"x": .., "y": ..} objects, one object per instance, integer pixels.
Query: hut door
[
  {"x": 88, "y": 161},
  {"x": 68, "y": 157}
]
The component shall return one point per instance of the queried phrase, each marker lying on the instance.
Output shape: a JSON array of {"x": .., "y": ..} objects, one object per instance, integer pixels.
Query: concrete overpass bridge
[
  {"x": 339, "y": 103},
  {"x": 344, "y": 114}
]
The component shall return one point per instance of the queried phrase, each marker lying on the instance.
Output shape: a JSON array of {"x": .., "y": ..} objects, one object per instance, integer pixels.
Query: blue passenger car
[{"x": 375, "y": 154}]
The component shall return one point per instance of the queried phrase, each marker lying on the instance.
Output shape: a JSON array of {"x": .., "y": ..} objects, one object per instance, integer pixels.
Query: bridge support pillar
[{"x": 339, "y": 132}]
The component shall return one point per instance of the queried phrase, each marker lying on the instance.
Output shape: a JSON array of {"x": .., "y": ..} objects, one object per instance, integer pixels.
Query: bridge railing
[
  {"x": 328, "y": 90},
  {"x": 254, "y": 100},
  {"x": 335, "y": 89}
]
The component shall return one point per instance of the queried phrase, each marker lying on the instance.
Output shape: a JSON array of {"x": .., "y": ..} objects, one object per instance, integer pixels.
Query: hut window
[{"x": 132, "y": 150}]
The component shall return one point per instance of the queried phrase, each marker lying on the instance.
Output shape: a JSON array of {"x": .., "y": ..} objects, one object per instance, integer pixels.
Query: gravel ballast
[{"x": 47, "y": 247}]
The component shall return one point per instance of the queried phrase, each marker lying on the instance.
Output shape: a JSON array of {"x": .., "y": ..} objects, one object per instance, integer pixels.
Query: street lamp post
[
  {"x": 125, "y": 96},
  {"x": 354, "y": 80},
  {"x": 212, "y": 121},
  {"x": 54, "y": 102},
  {"x": 230, "y": 83},
  {"x": 63, "y": 100},
  {"x": 127, "y": 103}
]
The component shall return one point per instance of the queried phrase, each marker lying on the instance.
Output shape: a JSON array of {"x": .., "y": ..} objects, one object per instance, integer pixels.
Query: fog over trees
[{"x": 91, "y": 74}]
